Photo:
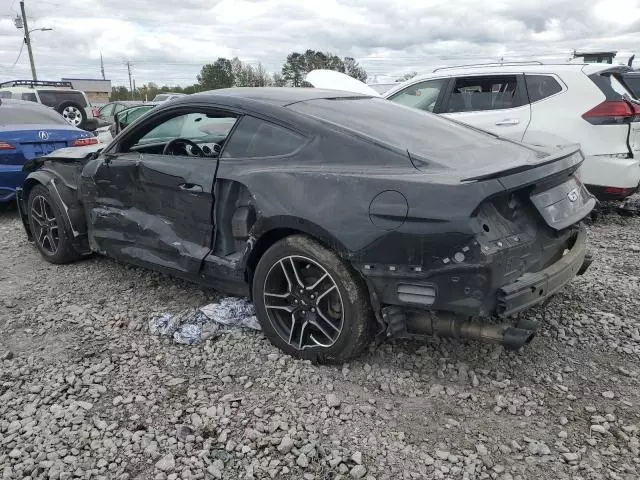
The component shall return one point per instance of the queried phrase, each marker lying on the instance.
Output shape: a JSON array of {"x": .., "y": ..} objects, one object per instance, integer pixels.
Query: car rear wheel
[
  {"x": 73, "y": 113},
  {"x": 310, "y": 303},
  {"x": 48, "y": 229}
]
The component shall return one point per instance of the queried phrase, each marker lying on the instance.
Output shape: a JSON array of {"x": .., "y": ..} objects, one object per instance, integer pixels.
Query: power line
[{"x": 19, "y": 53}]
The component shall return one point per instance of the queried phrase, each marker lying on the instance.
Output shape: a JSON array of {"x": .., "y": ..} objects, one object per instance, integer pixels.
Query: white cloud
[{"x": 168, "y": 41}]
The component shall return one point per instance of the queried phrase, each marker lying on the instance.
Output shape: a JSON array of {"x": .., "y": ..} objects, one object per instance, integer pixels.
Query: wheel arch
[
  {"x": 65, "y": 199},
  {"x": 286, "y": 227}
]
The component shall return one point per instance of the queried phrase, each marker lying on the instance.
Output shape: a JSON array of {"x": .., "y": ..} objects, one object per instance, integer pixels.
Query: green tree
[
  {"x": 119, "y": 93},
  {"x": 353, "y": 69},
  {"x": 298, "y": 65},
  {"x": 216, "y": 75},
  {"x": 294, "y": 69},
  {"x": 406, "y": 76},
  {"x": 278, "y": 80}
]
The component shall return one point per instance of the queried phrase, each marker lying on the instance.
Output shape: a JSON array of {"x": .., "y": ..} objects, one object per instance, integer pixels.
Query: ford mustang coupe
[{"x": 341, "y": 215}]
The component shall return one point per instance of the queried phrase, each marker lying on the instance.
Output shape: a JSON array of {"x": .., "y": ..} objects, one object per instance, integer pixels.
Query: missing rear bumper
[{"x": 534, "y": 288}]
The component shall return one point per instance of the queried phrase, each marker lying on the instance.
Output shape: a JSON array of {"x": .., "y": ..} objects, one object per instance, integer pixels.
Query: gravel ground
[{"x": 87, "y": 392}]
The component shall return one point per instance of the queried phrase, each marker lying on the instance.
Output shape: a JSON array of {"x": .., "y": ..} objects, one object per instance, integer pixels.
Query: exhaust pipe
[{"x": 448, "y": 325}]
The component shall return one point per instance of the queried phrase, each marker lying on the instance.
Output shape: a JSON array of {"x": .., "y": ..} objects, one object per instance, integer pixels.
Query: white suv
[
  {"x": 541, "y": 104},
  {"x": 72, "y": 104}
]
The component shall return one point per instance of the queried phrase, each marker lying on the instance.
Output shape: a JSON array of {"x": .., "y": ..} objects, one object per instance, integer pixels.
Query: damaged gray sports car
[{"x": 340, "y": 215}]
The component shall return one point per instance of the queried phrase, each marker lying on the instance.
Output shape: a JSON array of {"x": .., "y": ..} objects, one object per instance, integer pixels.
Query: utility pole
[
  {"x": 130, "y": 82},
  {"x": 102, "y": 66},
  {"x": 134, "y": 90},
  {"x": 27, "y": 40}
]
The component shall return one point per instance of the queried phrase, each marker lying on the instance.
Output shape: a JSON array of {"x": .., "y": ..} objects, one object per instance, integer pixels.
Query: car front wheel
[
  {"x": 310, "y": 303},
  {"x": 47, "y": 227}
]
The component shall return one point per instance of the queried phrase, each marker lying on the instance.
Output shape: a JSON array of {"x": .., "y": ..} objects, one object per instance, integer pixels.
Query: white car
[
  {"x": 166, "y": 96},
  {"x": 72, "y": 104},
  {"x": 540, "y": 104}
]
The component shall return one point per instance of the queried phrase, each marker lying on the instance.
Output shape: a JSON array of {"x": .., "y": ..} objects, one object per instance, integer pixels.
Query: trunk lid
[
  {"x": 32, "y": 141},
  {"x": 552, "y": 186}
]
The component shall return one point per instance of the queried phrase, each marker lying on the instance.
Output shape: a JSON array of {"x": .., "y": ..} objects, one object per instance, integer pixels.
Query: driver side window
[{"x": 206, "y": 130}]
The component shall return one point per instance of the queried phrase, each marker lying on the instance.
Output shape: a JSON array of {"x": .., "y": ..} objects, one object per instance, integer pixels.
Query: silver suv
[{"x": 72, "y": 104}]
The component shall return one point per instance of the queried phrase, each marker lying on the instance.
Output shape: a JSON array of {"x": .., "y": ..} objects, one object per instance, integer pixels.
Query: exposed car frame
[{"x": 372, "y": 230}]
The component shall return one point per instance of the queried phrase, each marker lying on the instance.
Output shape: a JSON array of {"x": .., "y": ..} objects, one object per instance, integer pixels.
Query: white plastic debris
[
  {"x": 193, "y": 326},
  {"x": 233, "y": 312}
]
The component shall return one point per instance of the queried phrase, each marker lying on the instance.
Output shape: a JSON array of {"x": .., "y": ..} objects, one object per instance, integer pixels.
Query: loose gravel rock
[{"x": 87, "y": 392}]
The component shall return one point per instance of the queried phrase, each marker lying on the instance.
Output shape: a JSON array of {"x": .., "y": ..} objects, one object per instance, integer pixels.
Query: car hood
[
  {"x": 74, "y": 152},
  {"x": 333, "y": 80}
]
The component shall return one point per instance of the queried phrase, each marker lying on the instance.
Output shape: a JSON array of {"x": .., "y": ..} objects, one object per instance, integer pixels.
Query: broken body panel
[{"x": 423, "y": 233}]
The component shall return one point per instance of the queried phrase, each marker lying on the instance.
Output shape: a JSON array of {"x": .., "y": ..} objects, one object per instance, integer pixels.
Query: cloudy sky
[{"x": 168, "y": 40}]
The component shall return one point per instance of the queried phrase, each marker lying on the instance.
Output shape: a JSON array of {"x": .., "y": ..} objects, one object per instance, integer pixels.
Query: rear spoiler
[{"x": 571, "y": 156}]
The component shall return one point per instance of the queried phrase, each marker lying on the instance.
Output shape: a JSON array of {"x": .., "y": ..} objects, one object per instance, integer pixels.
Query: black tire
[
  {"x": 356, "y": 317},
  {"x": 56, "y": 233},
  {"x": 66, "y": 109}
]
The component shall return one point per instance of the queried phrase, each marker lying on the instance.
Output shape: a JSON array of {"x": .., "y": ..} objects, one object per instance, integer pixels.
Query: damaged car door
[{"x": 150, "y": 197}]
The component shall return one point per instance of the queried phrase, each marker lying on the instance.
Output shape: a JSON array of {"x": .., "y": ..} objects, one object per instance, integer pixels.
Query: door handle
[
  {"x": 190, "y": 187},
  {"x": 508, "y": 121}
]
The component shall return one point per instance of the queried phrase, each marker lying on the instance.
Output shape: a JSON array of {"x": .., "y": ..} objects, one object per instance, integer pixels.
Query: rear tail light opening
[{"x": 6, "y": 146}]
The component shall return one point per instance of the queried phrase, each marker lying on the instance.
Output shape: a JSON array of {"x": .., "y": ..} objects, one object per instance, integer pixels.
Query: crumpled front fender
[{"x": 66, "y": 200}]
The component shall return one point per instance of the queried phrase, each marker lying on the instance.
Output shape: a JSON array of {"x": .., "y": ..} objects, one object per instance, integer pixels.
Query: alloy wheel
[
  {"x": 303, "y": 303},
  {"x": 46, "y": 228}
]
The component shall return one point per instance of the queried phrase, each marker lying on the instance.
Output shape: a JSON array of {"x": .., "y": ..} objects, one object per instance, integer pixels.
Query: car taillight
[
  {"x": 611, "y": 112},
  {"x": 6, "y": 146},
  {"x": 618, "y": 191},
  {"x": 83, "y": 142}
]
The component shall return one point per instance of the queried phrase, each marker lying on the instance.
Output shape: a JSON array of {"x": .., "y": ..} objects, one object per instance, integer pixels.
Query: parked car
[
  {"x": 382, "y": 87},
  {"x": 72, "y": 104},
  {"x": 121, "y": 120},
  {"x": 631, "y": 80},
  {"x": 333, "y": 211},
  {"x": 27, "y": 131},
  {"x": 535, "y": 103},
  {"x": 107, "y": 112},
  {"x": 165, "y": 96}
]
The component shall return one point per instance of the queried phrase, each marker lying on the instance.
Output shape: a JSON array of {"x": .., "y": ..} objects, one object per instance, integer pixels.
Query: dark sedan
[{"x": 341, "y": 215}]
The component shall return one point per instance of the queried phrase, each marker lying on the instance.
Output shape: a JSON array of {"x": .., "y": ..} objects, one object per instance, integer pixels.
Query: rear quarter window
[
  {"x": 254, "y": 138},
  {"x": 632, "y": 81},
  {"x": 610, "y": 85},
  {"x": 390, "y": 123},
  {"x": 541, "y": 86},
  {"x": 54, "y": 98}
]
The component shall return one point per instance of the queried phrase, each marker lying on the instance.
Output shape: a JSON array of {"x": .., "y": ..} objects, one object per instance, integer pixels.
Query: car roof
[
  {"x": 21, "y": 88},
  {"x": 280, "y": 96},
  {"x": 524, "y": 67},
  {"x": 22, "y": 104}
]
